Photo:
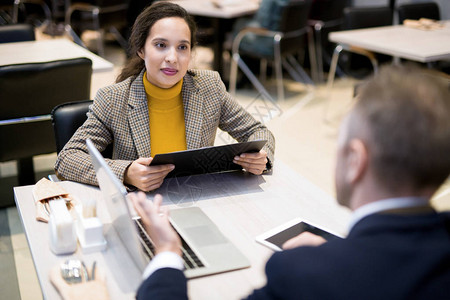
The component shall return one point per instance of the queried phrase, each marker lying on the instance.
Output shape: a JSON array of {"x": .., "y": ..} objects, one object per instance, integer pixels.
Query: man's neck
[
  {"x": 365, "y": 196},
  {"x": 397, "y": 205}
]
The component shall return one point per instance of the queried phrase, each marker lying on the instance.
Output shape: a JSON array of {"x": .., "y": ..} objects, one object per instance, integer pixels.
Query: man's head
[{"x": 396, "y": 140}]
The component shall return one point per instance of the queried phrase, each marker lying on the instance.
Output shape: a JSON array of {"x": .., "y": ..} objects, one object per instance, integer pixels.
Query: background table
[
  {"x": 400, "y": 41},
  {"x": 49, "y": 50},
  {"x": 218, "y": 15},
  {"x": 240, "y": 204}
]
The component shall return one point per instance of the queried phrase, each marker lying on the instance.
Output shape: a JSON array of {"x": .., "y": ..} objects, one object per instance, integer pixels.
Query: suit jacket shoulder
[{"x": 384, "y": 257}]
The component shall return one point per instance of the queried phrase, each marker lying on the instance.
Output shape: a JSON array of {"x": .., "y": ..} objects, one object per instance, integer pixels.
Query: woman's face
[{"x": 167, "y": 52}]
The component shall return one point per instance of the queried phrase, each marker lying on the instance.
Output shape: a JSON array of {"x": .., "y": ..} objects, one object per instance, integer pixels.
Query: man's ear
[{"x": 357, "y": 160}]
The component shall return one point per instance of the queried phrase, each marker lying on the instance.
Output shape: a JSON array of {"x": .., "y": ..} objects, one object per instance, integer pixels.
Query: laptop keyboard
[{"x": 190, "y": 259}]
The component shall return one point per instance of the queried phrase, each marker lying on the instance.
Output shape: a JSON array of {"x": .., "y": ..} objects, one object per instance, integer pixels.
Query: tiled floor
[{"x": 305, "y": 126}]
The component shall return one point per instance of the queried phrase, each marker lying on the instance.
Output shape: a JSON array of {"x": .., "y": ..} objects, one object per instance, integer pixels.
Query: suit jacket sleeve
[
  {"x": 73, "y": 162},
  {"x": 164, "y": 284}
]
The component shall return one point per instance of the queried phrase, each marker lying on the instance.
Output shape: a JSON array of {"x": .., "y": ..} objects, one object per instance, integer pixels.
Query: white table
[
  {"x": 49, "y": 50},
  {"x": 400, "y": 41},
  {"x": 219, "y": 16},
  {"x": 241, "y": 205},
  {"x": 206, "y": 8}
]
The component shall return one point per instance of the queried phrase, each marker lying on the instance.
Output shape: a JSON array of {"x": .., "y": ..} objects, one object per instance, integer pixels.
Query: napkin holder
[
  {"x": 61, "y": 229},
  {"x": 89, "y": 232}
]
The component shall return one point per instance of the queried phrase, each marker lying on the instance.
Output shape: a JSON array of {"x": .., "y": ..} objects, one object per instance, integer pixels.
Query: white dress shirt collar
[{"x": 386, "y": 204}]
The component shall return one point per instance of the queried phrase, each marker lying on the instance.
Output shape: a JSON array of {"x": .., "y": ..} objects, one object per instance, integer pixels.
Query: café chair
[
  {"x": 358, "y": 18},
  {"x": 415, "y": 11},
  {"x": 278, "y": 43},
  {"x": 325, "y": 16},
  {"x": 16, "y": 33},
  {"x": 66, "y": 118},
  {"x": 98, "y": 15},
  {"x": 13, "y": 6},
  {"x": 28, "y": 93}
]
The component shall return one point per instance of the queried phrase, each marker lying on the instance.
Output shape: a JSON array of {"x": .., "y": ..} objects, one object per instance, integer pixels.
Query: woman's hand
[
  {"x": 156, "y": 222},
  {"x": 145, "y": 176},
  {"x": 254, "y": 163}
]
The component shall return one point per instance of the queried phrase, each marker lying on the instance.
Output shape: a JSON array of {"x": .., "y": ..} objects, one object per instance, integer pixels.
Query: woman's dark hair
[{"x": 141, "y": 29}]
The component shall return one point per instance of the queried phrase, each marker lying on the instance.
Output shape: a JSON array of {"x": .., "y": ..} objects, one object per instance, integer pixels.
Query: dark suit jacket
[{"x": 385, "y": 256}]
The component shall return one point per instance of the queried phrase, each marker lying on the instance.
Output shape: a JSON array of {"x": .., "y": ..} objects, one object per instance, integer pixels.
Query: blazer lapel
[
  {"x": 138, "y": 117},
  {"x": 193, "y": 108}
]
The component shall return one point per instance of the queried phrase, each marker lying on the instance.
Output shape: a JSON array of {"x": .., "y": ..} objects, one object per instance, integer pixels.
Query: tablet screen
[
  {"x": 281, "y": 237},
  {"x": 276, "y": 237}
]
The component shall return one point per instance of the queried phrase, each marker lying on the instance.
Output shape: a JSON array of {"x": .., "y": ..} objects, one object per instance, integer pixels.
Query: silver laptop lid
[
  {"x": 114, "y": 195},
  {"x": 215, "y": 250}
]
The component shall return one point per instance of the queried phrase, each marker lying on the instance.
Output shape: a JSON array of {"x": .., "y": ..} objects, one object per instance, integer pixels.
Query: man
[{"x": 393, "y": 154}]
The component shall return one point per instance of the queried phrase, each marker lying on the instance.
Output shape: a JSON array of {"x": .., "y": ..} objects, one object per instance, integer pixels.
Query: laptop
[{"x": 205, "y": 249}]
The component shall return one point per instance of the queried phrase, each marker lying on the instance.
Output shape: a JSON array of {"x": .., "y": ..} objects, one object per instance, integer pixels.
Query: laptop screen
[{"x": 114, "y": 196}]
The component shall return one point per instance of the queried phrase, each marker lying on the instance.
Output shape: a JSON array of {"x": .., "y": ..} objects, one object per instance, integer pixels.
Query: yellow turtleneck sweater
[{"x": 166, "y": 115}]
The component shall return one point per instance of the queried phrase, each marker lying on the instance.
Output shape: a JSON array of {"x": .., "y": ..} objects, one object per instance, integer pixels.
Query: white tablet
[{"x": 276, "y": 237}]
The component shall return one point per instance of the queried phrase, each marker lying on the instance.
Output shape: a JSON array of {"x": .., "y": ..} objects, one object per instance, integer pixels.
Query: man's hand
[
  {"x": 304, "y": 239},
  {"x": 254, "y": 163},
  {"x": 156, "y": 222},
  {"x": 94, "y": 289},
  {"x": 144, "y": 176}
]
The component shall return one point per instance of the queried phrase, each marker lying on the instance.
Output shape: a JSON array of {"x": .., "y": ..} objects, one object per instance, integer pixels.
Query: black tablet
[{"x": 207, "y": 160}]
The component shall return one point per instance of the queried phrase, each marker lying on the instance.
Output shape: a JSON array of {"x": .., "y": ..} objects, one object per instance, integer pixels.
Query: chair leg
[
  {"x": 251, "y": 77},
  {"x": 278, "y": 69},
  {"x": 68, "y": 28},
  {"x": 25, "y": 171},
  {"x": 319, "y": 56},
  {"x": 119, "y": 38},
  {"x": 74, "y": 36},
  {"x": 295, "y": 70},
  {"x": 100, "y": 38},
  {"x": 15, "y": 14},
  {"x": 333, "y": 65},
  {"x": 263, "y": 70},
  {"x": 233, "y": 74}
]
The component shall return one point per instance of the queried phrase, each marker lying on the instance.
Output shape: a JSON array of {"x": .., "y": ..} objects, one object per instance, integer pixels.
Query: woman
[{"x": 159, "y": 106}]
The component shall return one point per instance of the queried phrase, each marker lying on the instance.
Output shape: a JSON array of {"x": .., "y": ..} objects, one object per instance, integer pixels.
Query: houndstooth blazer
[{"x": 119, "y": 115}]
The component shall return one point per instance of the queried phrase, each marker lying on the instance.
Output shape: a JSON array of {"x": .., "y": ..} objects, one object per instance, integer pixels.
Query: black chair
[
  {"x": 416, "y": 11},
  {"x": 98, "y": 15},
  {"x": 11, "y": 8},
  {"x": 325, "y": 16},
  {"x": 357, "y": 18},
  {"x": 278, "y": 43},
  {"x": 28, "y": 93},
  {"x": 66, "y": 118},
  {"x": 16, "y": 33}
]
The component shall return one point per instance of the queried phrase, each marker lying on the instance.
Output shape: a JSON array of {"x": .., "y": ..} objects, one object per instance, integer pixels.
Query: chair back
[
  {"x": 328, "y": 10},
  {"x": 28, "y": 93},
  {"x": 294, "y": 15},
  {"x": 294, "y": 18},
  {"x": 16, "y": 33},
  {"x": 416, "y": 11},
  {"x": 67, "y": 118},
  {"x": 366, "y": 17}
]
